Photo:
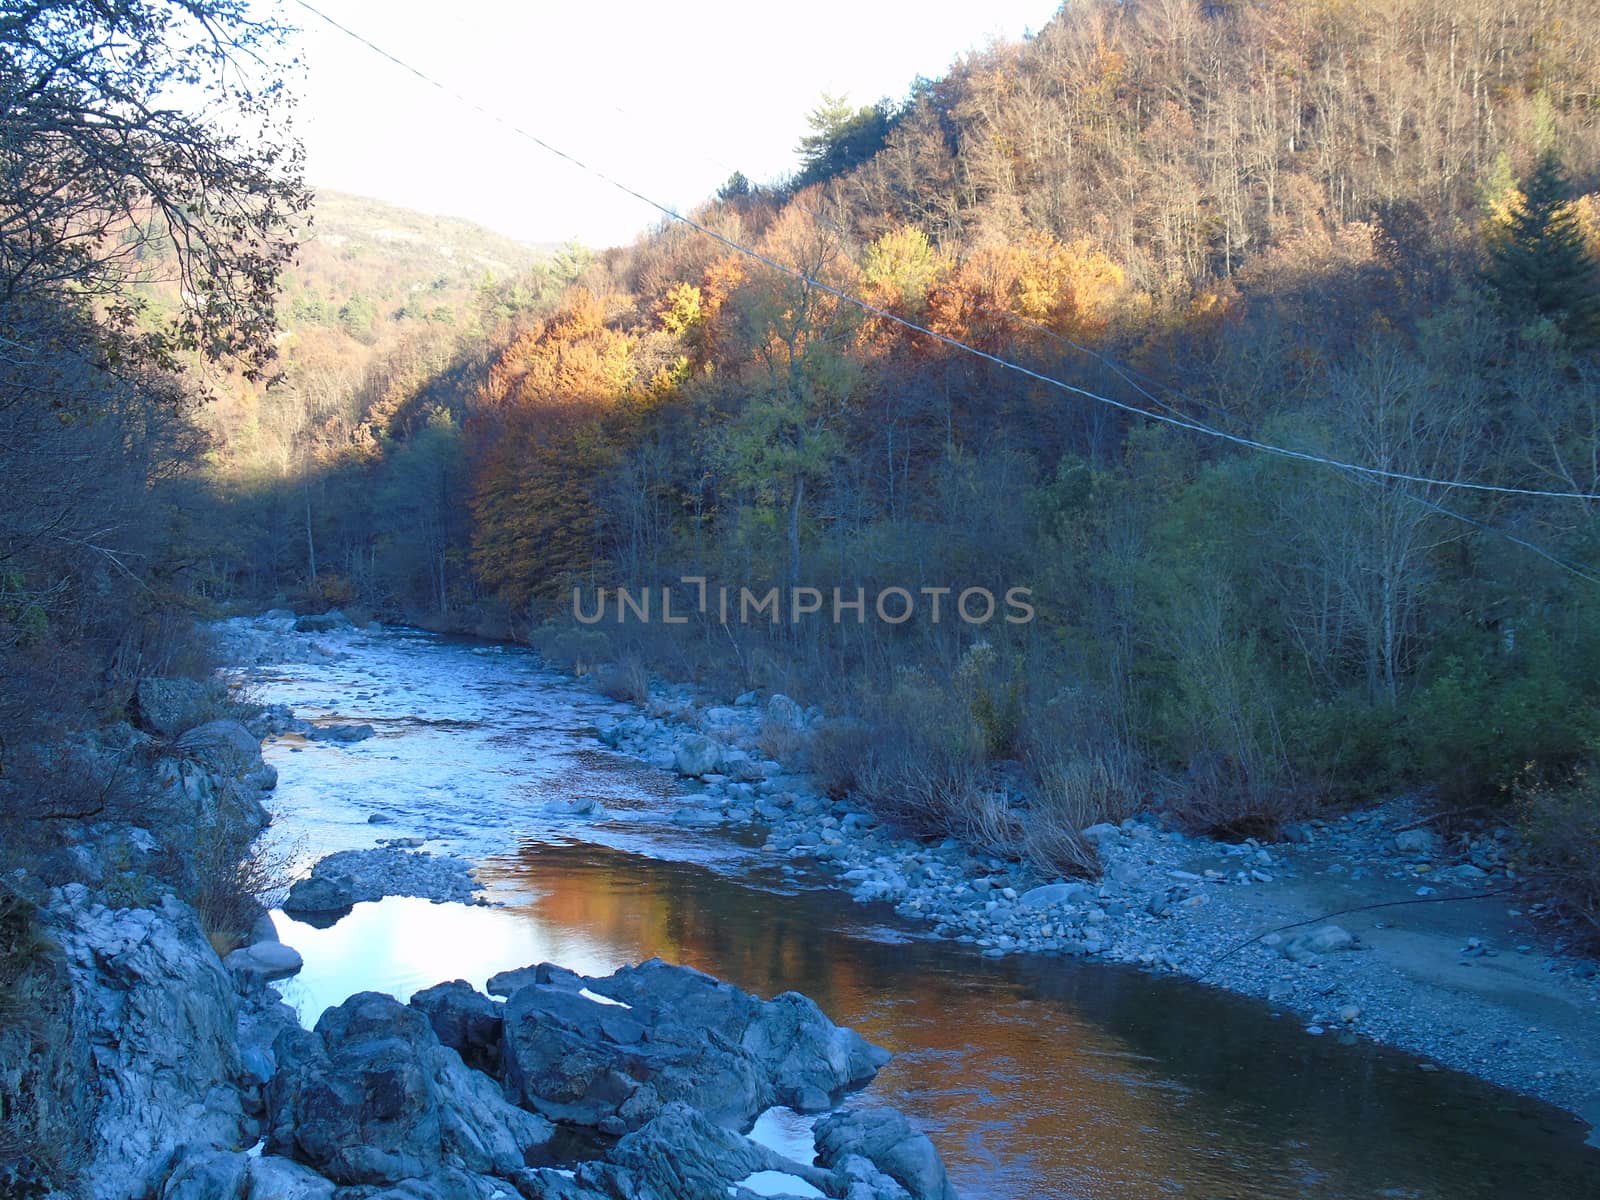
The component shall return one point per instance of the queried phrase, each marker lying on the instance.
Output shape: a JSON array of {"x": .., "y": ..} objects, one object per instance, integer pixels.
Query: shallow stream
[{"x": 1036, "y": 1077}]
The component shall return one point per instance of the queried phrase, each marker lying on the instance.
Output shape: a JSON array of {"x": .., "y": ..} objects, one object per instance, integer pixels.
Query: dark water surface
[{"x": 1036, "y": 1077}]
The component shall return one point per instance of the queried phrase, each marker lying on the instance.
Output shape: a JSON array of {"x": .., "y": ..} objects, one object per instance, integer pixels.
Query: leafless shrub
[
  {"x": 1072, "y": 791},
  {"x": 626, "y": 680},
  {"x": 1221, "y": 797},
  {"x": 837, "y": 753},
  {"x": 1561, "y": 834},
  {"x": 230, "y": 888},
  {"x": 782, "y": 742}
]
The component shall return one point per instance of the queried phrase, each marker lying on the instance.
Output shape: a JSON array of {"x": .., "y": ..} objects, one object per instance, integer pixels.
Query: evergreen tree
[{"x": 1539, "y": 262}]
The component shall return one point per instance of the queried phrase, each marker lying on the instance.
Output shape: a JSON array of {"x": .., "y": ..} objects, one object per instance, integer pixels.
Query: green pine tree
[{"x": 1539, "y": 263}]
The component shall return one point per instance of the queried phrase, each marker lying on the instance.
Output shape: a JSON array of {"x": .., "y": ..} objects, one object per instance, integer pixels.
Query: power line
[{"x": 1177, "y": 421}]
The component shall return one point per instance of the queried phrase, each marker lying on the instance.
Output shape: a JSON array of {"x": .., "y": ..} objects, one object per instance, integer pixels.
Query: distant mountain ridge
[{"x": 357, "y": 248}]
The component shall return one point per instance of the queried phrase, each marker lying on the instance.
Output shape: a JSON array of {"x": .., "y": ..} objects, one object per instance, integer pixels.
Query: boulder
[
  {"x": 318, "y": 894},
  {"x": 676, "y": 1035},
  {"x": 274, "y": 1178},
  {"x": 784, "y": 712},
  {"x": 371, "y": 1097},
  {"x": 681, "y": 1153},
  {"x": 322, "y": 622},
  {"x": 169, "y": 707},
  {"x": 465, "y": 1020},
  {"x": 1052, "y": 893},
  {"x": 341, "y": 733},
  {"x": 1324, "y": 940},
  {"x": 1423, "y": 843},
  {"x": 267, "y": 960},
  {"x": 208, "y": 1175},
  {"x": 227, "y": 746},
  {"x": 885, "y": 1138},
  {"x": 698, "y": 755}
]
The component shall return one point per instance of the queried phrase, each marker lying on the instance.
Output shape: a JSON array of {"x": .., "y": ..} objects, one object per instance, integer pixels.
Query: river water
[{"x": 1036, "y": 1077}]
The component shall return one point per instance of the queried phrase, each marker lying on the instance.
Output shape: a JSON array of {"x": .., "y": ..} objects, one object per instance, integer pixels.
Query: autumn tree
[{"x": 540, "y": 445}]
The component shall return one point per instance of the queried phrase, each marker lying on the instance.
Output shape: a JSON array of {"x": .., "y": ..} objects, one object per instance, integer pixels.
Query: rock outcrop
[
  {"x": 372, "y": 1097},
  {"x": 671, "y": 1034},
  {"x": 160, "y": 1012},
  {"x": 353, "y": 876}
]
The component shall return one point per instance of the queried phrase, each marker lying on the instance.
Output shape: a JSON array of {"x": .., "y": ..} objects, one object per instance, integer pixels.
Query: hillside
[
  {"x": 1358, "y": 235},
  {"x": 392, "y": 261}
]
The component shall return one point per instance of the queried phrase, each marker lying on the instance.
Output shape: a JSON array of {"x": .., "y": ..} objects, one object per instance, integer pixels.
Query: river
[{"x": 1036, "y": 1077}]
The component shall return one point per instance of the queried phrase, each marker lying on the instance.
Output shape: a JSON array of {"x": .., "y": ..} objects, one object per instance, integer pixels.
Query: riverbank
[
  {"x": 174, "y": 1070},
  {"x": 1367, "y": 925}
]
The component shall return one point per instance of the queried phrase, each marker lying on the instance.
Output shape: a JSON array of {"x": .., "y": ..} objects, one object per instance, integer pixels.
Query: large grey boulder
[
  {"x": 274, "y": 1178},
  {"x": 214, "y": 781},
  {"x": 698, "y": 755},
  {"x": 322, "y": 622},
  {"x": 1049, "y": 894},
  {"x": 341, "y": 733},
  {"x": 784, "y": 712},
  {"x": 371, "y": 1097},
  {"x": 318, "y": 894},
  {"x": 160, "y": 1013},
  {"x": 1325, "y": 939},
  {"x": 465, "y": 1020},
  {"x": 265, "y": 960},
  {"x": 671, "y": 1034},
  {"x": 885, "y": 1138},
  {"x": 681, "y": 1153},
  {"x": 208, "y": 1175},
  {"x": 170, "y": 707}
]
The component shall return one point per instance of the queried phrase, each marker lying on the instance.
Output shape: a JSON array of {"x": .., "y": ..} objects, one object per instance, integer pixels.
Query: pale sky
[{"x": 670, "y": 99}]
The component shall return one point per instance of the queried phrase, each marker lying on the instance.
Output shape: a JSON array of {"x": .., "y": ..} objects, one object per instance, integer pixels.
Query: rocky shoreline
[
  {"x": 187, "y": 1078},
  {"x": 1483, "y": 990}
]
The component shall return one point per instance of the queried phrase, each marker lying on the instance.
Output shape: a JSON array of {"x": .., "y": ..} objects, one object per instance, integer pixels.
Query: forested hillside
[{"x": 1362, "y": 234}]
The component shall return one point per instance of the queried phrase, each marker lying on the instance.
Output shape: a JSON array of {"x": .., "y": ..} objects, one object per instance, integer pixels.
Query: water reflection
[{"x": 1038, "y": 1078}]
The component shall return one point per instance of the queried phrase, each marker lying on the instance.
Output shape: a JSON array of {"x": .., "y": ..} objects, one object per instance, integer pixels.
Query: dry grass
[
  {"x": 783, "y": 743},
  {"x": 1561, "y": 836},
  {"x": 231, "y": 888},
  {"x": 626, "y": 680},
  {"x": 1220, "y": 797},
  {"x": 1072, "y": 791},
  {"x": 839, "y": 749}
]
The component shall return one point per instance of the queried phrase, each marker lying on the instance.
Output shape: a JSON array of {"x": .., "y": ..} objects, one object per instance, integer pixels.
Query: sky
[{"x": 669, "y": 99}]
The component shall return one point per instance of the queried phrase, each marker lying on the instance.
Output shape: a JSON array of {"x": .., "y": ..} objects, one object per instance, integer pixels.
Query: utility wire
[
  {"x": 954, "y": 343},
  {"x": 1339, "y": 912}
]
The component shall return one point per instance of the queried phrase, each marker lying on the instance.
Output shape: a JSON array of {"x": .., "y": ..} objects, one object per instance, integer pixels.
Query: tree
[
  {"x": 102, "y": 173},
  {"x": 1539, "y": 260},
  {"x": 841, "y": 139}
]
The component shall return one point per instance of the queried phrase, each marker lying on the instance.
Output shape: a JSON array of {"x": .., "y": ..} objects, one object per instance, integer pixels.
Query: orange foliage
[
  {"x": 1065, "y": 288},
  {"x": 541, "y": 438}
]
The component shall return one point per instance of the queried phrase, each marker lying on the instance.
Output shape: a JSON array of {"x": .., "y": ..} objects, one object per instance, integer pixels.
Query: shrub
[
  {"x": 782, "y": 742},
  {"x": 626, "y": 680},
  {"x": 230, "y": 888},
  {"x": 1220, "y": 797},
  {"x": 839, "y": 748},
  {"x": 1561, "y": 831},
  {"x": 1070, "y": 792},
  {"x": 1485, "y": 727}
]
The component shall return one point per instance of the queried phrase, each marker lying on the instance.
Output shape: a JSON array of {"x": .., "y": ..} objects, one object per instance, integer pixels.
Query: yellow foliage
[
  {"x": 681, "y": 310},
  {"x": 900, "y": 267},
  {"x": 1587, "y": 211}
]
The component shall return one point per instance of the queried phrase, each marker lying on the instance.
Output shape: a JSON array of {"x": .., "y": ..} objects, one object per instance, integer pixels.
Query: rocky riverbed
[{"x": 1366, "y": 925}]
